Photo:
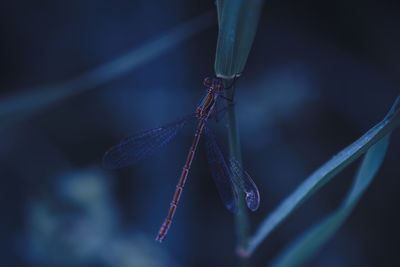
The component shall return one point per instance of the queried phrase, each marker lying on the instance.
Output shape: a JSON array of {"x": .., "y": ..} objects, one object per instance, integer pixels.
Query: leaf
[
  {"x": 322, "y": 175},
  {"x": 237, "y": 28},
  {"x": 312, "y": 240},
  {"x": 19, "y": 106}
]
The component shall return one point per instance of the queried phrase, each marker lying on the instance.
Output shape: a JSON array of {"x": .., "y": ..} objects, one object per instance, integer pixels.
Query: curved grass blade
[
  {"x": 237, "y": 28},
  {"x": 313, "y": 239},
  {"x": 135, "y": 148},
  {"x": 243, "y": 180},
  {"x": 322, "y": 175},
  {"x": 220, "y": 172},
  {"x": 19, "y": 106}
]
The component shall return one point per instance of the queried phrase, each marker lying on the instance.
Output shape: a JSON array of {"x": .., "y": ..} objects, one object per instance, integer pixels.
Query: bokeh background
[{"x": 319, "y": 75}]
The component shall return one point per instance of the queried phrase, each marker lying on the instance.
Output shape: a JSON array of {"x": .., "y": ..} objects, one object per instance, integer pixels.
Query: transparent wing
[
  {"x": 220, "y": 172},
  {"x": 246, "y": 184},
  {"x": 132, "y": 149}
]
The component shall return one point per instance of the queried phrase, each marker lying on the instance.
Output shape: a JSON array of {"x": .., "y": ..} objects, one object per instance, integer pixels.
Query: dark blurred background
[{"x": 319, "y": 75}]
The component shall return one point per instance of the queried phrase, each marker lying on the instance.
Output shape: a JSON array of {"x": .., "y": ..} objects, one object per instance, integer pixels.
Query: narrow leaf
[
  {"x": 312, "y": 240},
  {"x": 19, "y": 106},
  {"x": 322, "y": 175},
  {"x": 237, "y": 28}
]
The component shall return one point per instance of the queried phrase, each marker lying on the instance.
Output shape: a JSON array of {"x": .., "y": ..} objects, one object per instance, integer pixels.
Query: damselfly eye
[{"x": 207, "y": 82}]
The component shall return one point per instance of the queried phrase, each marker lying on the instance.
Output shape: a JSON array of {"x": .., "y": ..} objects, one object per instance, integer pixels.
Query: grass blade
[
  {"x": 309, "y": 243},
  {"x": 322, "y": 175},
  {"x": 237, "y": 28},
  {"x": 237, "y": 22},
  {"x": 19, "y": 106},
  {"x": 241, "y": 217}
]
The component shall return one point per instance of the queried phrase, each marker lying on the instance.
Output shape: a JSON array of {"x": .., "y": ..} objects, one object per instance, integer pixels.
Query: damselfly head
[
  {"x": 207, "y": 82},
  {"x": 215, "y": 83}
]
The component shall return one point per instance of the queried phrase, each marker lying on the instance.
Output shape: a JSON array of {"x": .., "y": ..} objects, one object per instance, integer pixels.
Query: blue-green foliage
[
  {"x": 22, "y": 105},
  {"x": 375, "y": 142},
  {"x": 237, "y": 22},
  {"x": 316, "y": 236}
]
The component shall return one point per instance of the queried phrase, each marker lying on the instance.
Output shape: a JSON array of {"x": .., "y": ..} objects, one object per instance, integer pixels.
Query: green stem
[{"x": 241, "y": 218}]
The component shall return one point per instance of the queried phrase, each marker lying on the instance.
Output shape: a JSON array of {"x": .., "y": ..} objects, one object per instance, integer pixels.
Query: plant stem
[{"x": 241, "y": 218}]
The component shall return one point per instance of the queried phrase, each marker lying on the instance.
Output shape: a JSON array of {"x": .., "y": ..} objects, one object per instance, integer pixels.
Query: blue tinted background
[{"x": 319, "y": 75}]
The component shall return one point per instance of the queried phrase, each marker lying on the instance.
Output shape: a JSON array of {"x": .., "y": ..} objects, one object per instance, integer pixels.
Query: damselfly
[{"x": 137, "y": 147}]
